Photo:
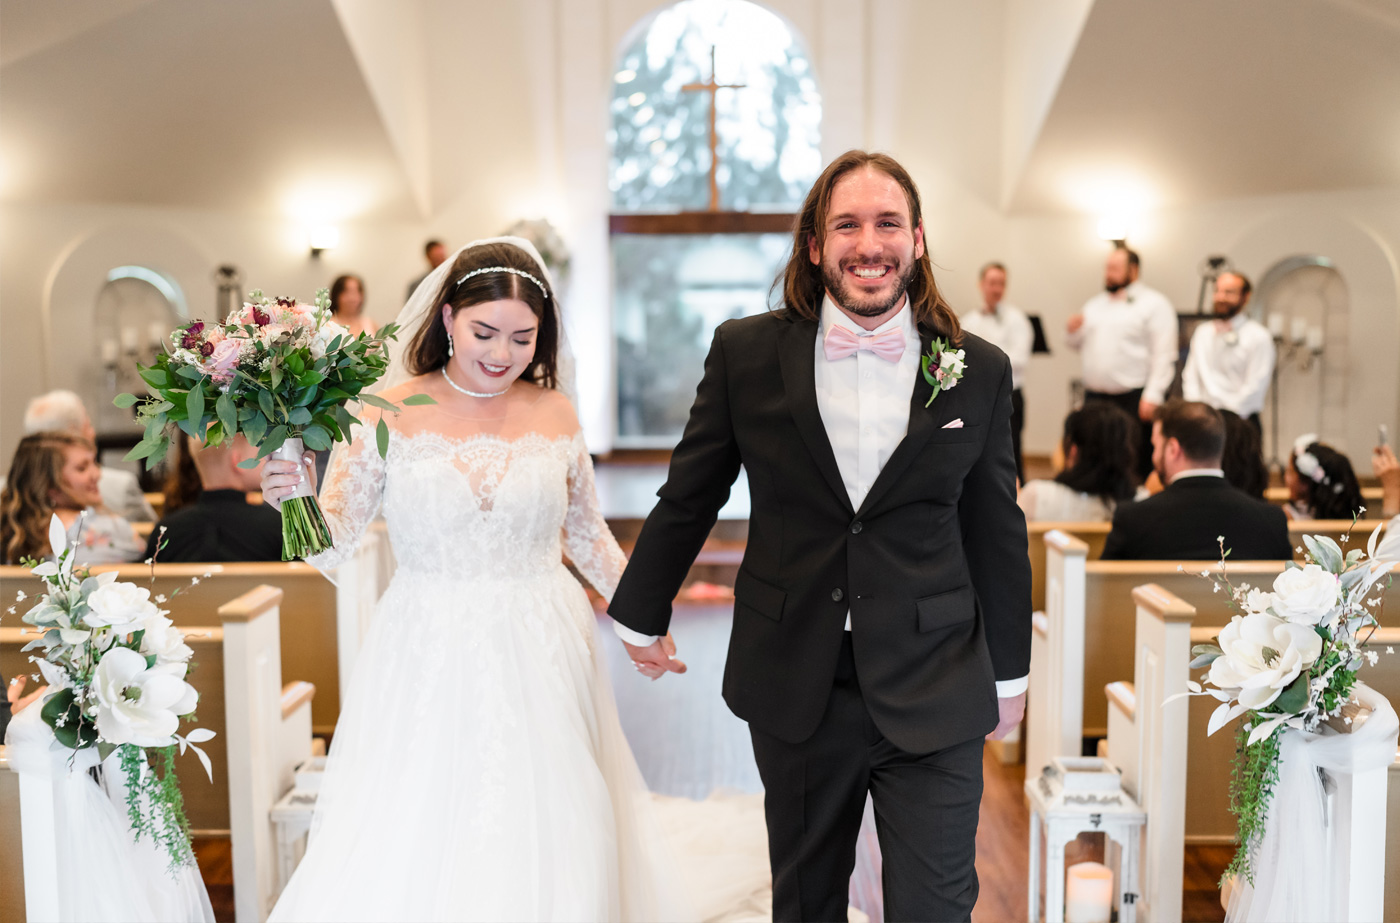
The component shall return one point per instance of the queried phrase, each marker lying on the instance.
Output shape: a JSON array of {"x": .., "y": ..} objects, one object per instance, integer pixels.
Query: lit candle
[
  {"x": 1088, "y": 893},
  {"x": 1300, "y": 329},
  {"x": 1314, "y": 339},
  {"x": 1276, "y": 322},
  {"x": 110, "y": 352}
]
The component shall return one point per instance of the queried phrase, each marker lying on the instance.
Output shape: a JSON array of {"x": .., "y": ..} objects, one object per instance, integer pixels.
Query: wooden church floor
[{"x": 687, "y": 743}]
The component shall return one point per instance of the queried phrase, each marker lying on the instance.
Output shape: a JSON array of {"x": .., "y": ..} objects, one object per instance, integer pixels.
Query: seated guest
[
  {"x": 57, "y": 474},
  {"x": 182, "y": 484},
  {"x": 1243, "y": 462},
  {"x": 1387, "y": 471},
  {"x": 1100, "y": 469},
  {"x": 1197, "y": 504},
  {"x": 221, "y": 525},
  {"x": 63, "y": 412},
  {"x": 1321, "y": 483}
]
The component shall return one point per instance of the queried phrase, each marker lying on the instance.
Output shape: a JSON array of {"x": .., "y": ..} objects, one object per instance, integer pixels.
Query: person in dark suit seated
[
  {"x": 221, "y": 525},
  {"x": 1186, "y": 520}
]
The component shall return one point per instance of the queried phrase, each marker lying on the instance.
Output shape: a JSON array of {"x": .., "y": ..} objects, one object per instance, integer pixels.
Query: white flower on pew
[
  {"x": 1307, "y": 595},
  {"x": 137, "y": 704},
  {"x": 122, "y": 607},
  {"x": 1260, "y": 656}
]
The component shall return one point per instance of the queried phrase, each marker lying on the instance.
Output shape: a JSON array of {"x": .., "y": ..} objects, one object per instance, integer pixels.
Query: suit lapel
[
  {"x": 797, "y": 349},
  {"x": 921, "y": 427}
]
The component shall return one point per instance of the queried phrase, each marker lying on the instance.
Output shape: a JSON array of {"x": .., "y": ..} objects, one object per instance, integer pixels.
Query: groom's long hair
[{"x": 803, "y": 286}]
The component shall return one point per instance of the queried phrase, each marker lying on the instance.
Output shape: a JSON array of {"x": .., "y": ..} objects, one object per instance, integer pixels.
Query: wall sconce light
[
  {"x": 1114, "y": 228},
  {"x": 322, "y": 238}
]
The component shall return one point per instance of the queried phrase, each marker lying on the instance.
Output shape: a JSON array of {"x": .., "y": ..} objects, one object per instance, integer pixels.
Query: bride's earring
[{"x": 450, "y": 351}]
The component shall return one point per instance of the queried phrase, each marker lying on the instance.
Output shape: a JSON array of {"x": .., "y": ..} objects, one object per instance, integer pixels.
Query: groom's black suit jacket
[{"x": 933, "y": 567}]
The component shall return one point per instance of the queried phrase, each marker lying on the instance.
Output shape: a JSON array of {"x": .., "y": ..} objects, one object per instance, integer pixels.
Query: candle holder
[{"x": 1075, "y": 795}]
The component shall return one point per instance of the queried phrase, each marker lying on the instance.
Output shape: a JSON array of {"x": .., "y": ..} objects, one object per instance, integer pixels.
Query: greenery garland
[{"x": 159, "y": 790}]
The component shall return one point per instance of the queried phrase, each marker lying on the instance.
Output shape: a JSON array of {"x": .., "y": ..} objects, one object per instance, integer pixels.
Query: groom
[{"x": 882, "y": 611}]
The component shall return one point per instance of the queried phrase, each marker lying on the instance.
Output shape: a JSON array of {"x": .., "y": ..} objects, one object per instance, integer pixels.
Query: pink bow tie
[{"x": 840, "y": 342}]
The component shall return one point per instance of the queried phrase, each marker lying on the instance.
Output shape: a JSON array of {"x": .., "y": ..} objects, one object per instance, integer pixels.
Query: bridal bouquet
[
  {"x": 1289, "y": 659},
  {"x": 277, "y": 371},
  {"x": 116, "y": 668}
]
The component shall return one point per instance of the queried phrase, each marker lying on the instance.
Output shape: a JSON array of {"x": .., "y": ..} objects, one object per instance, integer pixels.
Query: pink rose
[{"x": 224, "y": 361}]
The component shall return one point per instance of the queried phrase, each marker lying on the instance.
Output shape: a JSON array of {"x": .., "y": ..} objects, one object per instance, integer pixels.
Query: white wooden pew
[
  {"x": 265, "y": 730},
  {"x": 1149, "y": 739},
  {"x": 1054, "y": 722}
]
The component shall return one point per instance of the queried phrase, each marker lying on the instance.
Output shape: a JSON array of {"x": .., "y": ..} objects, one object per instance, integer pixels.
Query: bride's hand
[
  {"x": 280, "y": 479},
  {"x": 656, "y": 659}
]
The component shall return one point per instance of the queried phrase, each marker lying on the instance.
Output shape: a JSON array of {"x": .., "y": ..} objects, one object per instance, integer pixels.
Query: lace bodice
[{"x": 479, "y": 506}]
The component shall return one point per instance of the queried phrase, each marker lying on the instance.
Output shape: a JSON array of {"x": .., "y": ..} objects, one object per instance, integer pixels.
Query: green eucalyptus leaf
[
  {"x": 316, "y": 437},
  {"x": 228, "y": 413},
  {"x": 381, "y": 433},
  {"x": 418, "y": 400},
  {"x": 124, "y": 401}
]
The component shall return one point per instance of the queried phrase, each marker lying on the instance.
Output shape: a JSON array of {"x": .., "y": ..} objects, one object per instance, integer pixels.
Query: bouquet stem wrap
[{"x": 304, "y": 529}]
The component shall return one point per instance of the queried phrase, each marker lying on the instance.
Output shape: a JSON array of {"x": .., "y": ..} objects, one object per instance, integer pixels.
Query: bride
[{"x": 479, "y": 771}]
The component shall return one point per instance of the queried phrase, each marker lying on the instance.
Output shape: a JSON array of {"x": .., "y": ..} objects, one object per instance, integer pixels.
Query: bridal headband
[{"x": 517, "y": 272}]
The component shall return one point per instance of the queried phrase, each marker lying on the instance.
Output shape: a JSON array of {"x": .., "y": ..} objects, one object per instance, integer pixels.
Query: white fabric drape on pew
[
  {"x": 1297, "y": 873},
  {"x": 104, "y": 874}
]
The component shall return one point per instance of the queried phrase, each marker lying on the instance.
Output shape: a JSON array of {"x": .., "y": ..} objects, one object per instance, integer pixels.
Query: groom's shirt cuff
[
  {"x": 1007, "y": 688},
  {"x": 636, "y": 638}
]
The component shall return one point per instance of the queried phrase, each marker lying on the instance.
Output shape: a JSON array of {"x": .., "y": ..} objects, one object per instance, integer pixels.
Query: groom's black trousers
[{"x": 926, "y": 810}]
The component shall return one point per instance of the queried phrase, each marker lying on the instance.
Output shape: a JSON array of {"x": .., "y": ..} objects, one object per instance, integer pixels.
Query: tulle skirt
[{"x": 479, "y": 772}]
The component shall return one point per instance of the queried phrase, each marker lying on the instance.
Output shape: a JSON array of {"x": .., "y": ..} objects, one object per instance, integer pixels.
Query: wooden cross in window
[{"x": 713, "y": 88}]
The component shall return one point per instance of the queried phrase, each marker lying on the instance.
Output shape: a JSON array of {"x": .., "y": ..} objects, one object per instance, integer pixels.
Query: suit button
[
  {"x": 837, "y": 595},
  {"x": 856, "y": 527}
]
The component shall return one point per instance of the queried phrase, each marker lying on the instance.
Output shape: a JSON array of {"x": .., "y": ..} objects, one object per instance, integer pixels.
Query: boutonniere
[{"x": 943, "y": 368}]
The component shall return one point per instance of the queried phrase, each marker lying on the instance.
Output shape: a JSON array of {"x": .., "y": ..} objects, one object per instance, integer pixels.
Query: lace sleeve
[
  {"x": 587, "y": 539},
  {"x": 351, "y": 496}
]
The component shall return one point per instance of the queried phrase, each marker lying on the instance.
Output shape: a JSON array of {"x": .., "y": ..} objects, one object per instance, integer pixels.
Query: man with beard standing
[
  {"x": 882, "y": 611},
  {"x": 1231, "y": 357},
  {"x": 1127, "y": 339}
]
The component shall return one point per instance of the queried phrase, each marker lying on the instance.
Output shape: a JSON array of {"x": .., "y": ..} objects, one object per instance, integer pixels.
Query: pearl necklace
[{"x": 470, "y": 393}]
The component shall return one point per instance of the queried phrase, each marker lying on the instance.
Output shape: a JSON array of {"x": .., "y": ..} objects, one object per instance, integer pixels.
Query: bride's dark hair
[{"x": 428, "y": 350}]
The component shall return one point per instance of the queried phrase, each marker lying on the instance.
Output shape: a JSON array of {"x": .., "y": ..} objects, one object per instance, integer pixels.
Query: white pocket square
[{"x": 954, "y": 424}]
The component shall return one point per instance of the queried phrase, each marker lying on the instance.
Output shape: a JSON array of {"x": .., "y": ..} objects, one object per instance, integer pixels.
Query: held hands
[
  {"x": 1012, "y": 709},
  {"x": 281, "y": 478},
  {"x": 657, "y": 659}
]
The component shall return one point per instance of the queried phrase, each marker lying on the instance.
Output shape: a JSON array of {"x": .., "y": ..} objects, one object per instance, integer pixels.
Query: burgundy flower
[
  {"x": 190, "y": 339},
  {"x": 207, "y": 349},
  {"x": 261, "y": 317}
]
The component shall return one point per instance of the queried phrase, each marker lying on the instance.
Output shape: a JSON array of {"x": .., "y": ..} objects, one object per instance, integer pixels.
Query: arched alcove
[
  {"x": 1358, "y": 381},
  {"x": 117, "y": 286}
]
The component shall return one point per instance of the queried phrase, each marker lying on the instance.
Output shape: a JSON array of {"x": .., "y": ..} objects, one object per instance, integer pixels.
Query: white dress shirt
[
  {"x": 1007, "y": 328},
  {"x": 1128, "y": 341},
  {"x": 864, "y": 405},
  {"x": 1229, "y": 365}
]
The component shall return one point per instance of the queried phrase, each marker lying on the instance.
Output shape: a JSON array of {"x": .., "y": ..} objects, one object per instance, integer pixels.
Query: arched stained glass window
[{"x": 701, "y": 214}]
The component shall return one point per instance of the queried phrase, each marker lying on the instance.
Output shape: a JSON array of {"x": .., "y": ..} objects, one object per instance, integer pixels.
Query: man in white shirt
[
  {"x": 63, "y": 412},
  {"x": 1007, "y": 328},
  {"x": 1127, "y": 340},
  {"x": 1231, "y": 357}
]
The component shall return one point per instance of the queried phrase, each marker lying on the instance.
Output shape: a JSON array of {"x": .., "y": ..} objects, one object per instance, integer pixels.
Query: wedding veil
[{"x": 423, "y": 302}]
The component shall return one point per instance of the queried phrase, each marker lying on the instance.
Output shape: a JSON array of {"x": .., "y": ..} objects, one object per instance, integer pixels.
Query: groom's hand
[
  {"x": 1013, "y": 709},
  {"x": 655, "y": 660}
]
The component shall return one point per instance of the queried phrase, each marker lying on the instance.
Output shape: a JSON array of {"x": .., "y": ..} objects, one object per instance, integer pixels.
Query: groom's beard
[{"x": 844, "y": 294}]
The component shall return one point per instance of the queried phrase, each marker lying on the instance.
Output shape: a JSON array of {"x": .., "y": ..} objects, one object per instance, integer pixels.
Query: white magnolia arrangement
[
  {"x": 116, "y": 670},
  {"x": 942, "y": 367},
  {"x": 1288, "y": 660}
]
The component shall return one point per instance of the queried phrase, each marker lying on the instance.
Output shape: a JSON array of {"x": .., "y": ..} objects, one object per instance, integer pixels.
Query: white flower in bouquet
[
  {"x": 122, "y": 607},
  {"x": 1257, "y": 600},
  {"x": 140, "y": 705},
  {"x": 325, "y": 335},
  {"x": 1261, "y": 656},
  {"x": 164, "y": 640},
  {"x": 55, "y": 677},
  {"x": 1307, "y": 595}
]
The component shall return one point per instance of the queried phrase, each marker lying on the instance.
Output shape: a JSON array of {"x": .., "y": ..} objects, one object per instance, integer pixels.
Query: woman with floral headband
[
  {"x": 1321, "y": 482},
  {"x": 479, "y": 771}
]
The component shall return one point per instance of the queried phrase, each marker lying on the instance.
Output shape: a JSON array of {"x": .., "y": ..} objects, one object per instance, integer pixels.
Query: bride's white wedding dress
[{"x": 478, "y": 770}]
